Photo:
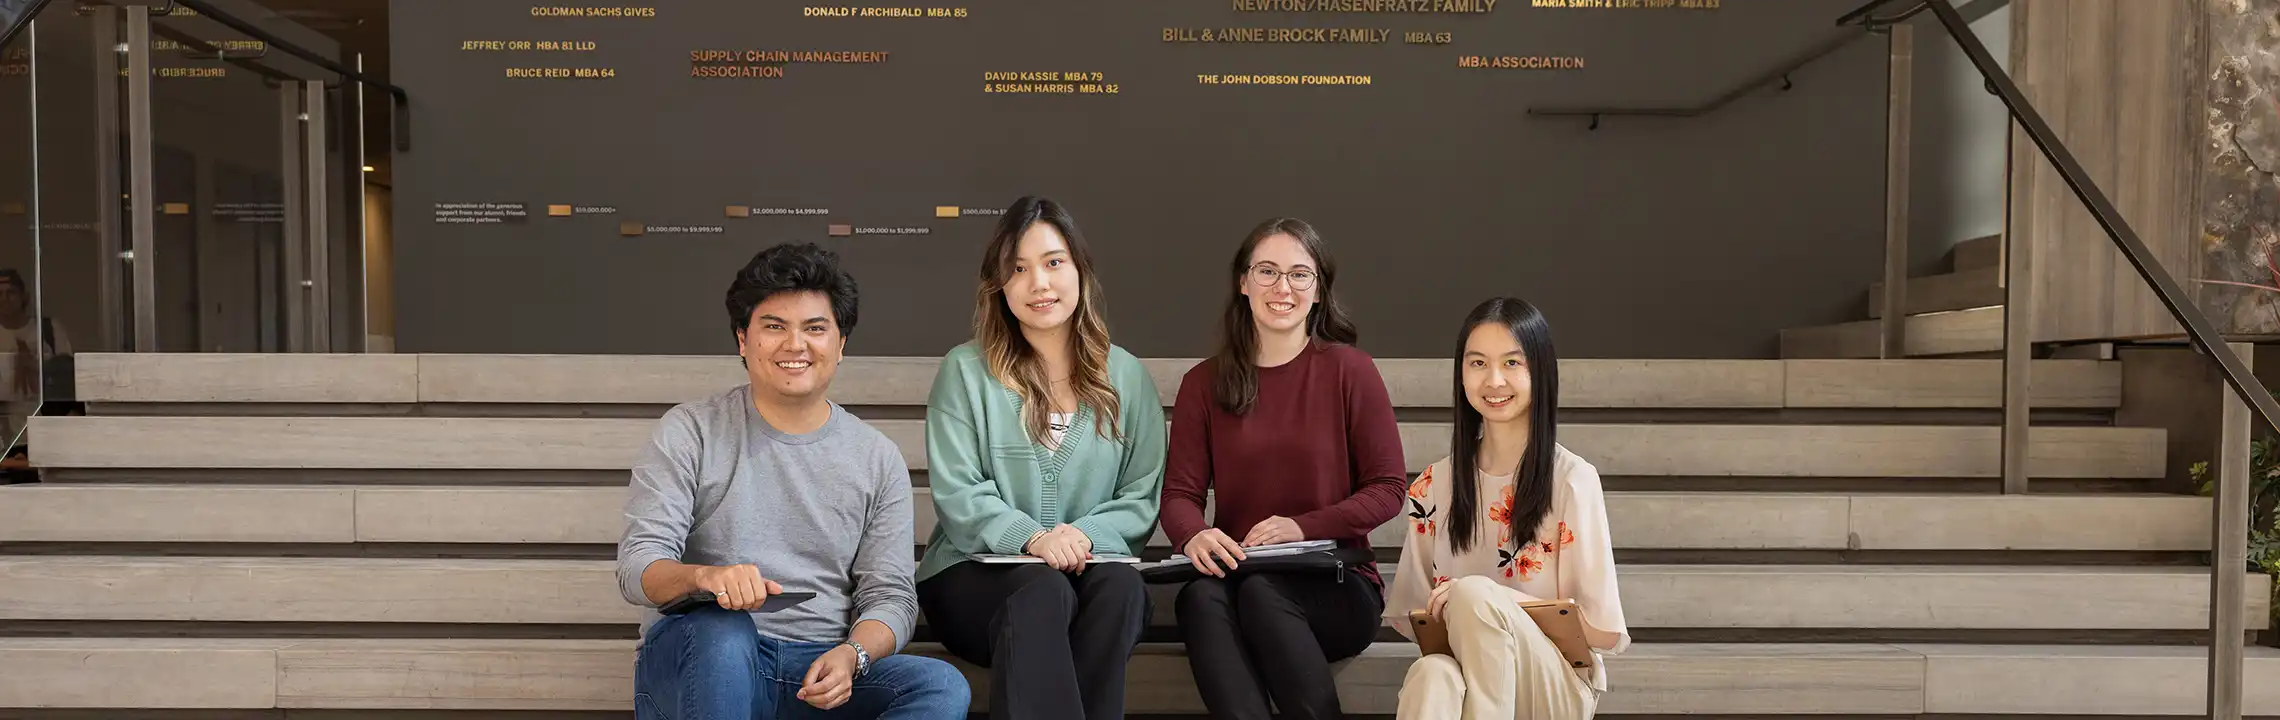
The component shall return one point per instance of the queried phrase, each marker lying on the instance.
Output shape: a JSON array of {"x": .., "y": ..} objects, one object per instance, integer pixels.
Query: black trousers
[
  {"x": 1274, "y": 636},
  {"x": 1056, "y": 644}
]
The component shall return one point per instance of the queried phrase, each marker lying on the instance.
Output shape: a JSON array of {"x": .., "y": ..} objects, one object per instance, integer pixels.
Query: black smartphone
[{"x": 702, "y": 598}]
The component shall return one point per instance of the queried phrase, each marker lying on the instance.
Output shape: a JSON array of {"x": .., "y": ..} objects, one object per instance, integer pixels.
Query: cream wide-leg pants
[{"x": 1504, "y": 669}]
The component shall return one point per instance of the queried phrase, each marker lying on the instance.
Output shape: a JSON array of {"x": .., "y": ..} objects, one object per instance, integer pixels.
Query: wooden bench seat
[
  {"x": 101, "y": 513},
  {"x": 1618, "y": 449},
  {"x": 530, "y": 591}
]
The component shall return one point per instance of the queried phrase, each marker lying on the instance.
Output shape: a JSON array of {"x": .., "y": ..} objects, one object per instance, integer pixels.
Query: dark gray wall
[{"x": 1646, "y": 238}]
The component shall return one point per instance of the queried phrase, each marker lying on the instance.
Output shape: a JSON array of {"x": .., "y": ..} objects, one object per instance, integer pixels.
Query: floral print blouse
[{"x": 1571, "y": 555}]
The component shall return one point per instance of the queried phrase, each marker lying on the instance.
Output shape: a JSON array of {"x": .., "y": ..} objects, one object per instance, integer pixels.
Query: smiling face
[
  {"x": 792, "y": 346},
  {"x": 1281, "y": 285},
  {"x": 1043, "y": 288},
  {"x": 1496, "y": 376}
]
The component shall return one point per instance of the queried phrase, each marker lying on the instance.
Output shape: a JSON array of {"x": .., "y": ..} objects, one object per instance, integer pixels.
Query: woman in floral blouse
[{"x": 1509, "y": 517}]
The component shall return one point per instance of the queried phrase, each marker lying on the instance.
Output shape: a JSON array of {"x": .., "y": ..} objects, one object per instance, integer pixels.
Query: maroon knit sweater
[{"x": 1319, "y": 446}]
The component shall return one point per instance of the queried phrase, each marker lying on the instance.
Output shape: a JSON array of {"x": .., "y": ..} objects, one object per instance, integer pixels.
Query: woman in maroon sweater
[{"x": 1289, "y": 426}]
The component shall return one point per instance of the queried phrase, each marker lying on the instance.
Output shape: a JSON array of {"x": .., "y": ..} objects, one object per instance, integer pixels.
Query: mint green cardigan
[{"x": 993, "y": 486}]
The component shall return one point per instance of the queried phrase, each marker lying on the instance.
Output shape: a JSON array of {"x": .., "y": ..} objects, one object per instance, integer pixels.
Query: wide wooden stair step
[
  {"x": 1950, "y": 291},
  {"x": 342, "y": 514},
  {"x": 523, "y": 591},
  {"x": 1650, "y": 679},
  {"x": 1632, "y": 449}
]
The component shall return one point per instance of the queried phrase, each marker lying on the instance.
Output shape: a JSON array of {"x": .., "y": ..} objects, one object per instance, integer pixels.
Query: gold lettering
[
  {"x": 191, "y": 72},
  {"x": 796, "y": 56},
  {"x": 763, "y": 72},
  {"x": 1521, "y": 62},
  {"x": 558, "y": 11}
]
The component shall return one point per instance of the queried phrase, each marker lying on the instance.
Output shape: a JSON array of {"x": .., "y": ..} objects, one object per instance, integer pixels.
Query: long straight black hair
[
  {"x": 1532, "y": 489},
  {"x": 1236, "y": 360}
]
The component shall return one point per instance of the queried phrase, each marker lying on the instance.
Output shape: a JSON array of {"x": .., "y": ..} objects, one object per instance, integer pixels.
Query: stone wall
[{"x": 2240, "y": 197}]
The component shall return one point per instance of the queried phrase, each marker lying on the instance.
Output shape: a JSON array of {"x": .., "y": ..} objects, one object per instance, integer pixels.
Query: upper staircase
[{"x": 435, "y": 532}]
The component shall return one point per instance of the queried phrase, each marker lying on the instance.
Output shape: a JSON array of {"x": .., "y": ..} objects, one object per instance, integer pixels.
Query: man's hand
[
  {"x": 1063, "y": 548},
  {"x": 1277, "y": 529},
  {"x": 831, "y": 680},
  {"x": 735, "y": 587},
  {"x": 1202, "y": 548}
]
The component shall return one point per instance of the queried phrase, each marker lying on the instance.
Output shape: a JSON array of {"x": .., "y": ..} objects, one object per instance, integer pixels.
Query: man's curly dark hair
[{"x": 790, "y": 267}]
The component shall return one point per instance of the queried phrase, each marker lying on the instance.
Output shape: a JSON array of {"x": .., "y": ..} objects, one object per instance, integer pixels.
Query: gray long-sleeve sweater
[{"x": 828, "y": 511}]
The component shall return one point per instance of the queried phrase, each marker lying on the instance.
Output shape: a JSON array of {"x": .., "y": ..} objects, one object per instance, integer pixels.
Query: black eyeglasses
[{"x": 1265, "y": 276}]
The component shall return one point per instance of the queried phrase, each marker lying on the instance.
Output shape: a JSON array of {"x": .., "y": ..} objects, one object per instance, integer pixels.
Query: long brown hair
[
  {"x": 1235, "y": 363},
  {"x": 1011, "y": 359}
]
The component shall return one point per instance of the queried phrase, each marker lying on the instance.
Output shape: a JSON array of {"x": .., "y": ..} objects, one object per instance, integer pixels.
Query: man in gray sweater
[{"x": 767, "y": 489}]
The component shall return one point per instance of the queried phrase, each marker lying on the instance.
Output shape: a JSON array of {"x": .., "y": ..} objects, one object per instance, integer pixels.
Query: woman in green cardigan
[{"x": 1042, "y": 440}]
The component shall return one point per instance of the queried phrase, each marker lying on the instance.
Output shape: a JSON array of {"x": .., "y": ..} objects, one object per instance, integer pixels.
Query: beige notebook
[{"x": 1559, "y": 619}]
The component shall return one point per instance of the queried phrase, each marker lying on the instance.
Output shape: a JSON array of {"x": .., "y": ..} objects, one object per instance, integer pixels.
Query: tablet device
[
  {"x": 1563, "y": 623},
  {"x": 1559, "y": 620},
  {"x": 702, "y": 598},
  {"x": 1432, "y": 636}
]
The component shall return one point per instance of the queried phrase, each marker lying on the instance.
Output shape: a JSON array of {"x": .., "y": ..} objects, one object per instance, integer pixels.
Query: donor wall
[{"x": 584, "y": 177}]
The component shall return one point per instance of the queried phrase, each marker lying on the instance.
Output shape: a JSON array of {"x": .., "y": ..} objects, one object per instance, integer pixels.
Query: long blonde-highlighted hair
[{"x": 1010, "y": 357}]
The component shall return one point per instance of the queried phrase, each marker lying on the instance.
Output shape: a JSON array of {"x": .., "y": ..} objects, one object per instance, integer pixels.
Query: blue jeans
[{"x": 712, "y": 664}]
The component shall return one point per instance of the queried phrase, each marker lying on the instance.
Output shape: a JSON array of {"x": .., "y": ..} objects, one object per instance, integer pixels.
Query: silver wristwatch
[{"x": 862, "y": 657}]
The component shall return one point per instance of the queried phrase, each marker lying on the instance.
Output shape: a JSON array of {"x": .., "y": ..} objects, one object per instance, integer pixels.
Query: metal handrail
[
  {"x": 2197, "y": 326},
  {"x": 1779, "y": 73},
  {"x": 1862, "y": 12},
  {"x": 1863, "y": 16},
  {"x": 2229, "y": 534},
  {"x": 30, "y": 11}
]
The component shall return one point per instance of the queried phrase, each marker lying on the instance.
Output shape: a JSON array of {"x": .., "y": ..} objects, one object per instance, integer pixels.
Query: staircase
[
  {"x": 1956, "y": 313},
  {"x": 435, "y": 532}
]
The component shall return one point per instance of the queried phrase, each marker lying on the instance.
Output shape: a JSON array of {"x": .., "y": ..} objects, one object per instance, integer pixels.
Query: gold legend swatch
[
  {"x": 842, "y": 230},
  {"x": 740, "y": 211},
  {"x": 558, "y": 210},
  {"x": 946, "y": 211},
  {"x": 175, "y": 208},
  {"x": 630, "y": 228},
  {"x": 13, "y": 208}
]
